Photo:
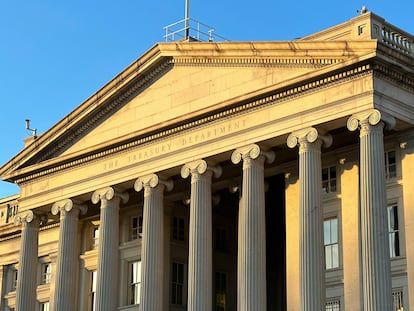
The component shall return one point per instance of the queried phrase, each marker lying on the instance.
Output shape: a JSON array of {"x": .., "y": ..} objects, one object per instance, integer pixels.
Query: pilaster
[
  {"x": 27, "y": 275},
  {"x": 311, "y": 253},
  {"x": 200, "y": 235},
  {"x": 66, "y": 276},
  {"x": 251, "y": 256},
  {"x": 152, "y": 247},
  {"x": 108, "y": 252},
  {"x": 376, "y": 268}
]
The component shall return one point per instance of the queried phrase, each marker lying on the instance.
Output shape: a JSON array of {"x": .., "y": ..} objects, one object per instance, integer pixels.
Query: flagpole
[{"x": 187, "y": 19}]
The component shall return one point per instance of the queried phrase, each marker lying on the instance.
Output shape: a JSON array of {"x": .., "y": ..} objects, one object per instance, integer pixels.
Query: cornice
[
  {"x": 240, "y": 107},
  {"x": 384, "y": 71}
]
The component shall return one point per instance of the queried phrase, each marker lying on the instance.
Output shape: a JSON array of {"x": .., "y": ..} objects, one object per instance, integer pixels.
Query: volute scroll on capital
[
  {"x": 309, "y": 135},
  {"x": 371, "y": 117},
  {"x": 108, "y": 193},
  {"x": 200, "y": 167},
  {"x": 252, "y": 151},
  {"x": 67, "y": 205},
  {"x": 29, "y": 217},
  {"x": 152, "y": 181}
]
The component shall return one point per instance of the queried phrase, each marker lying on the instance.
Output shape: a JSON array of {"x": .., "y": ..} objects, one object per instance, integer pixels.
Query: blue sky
[{"x": 55, "y": 54}]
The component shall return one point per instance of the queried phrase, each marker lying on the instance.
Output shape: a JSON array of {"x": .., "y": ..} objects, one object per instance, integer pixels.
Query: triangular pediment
[{"x": 174, "y": 82}]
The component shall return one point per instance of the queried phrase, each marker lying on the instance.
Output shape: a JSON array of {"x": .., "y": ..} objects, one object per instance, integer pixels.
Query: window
[
  {"x": 390, "y": 164},
  {"x": 329, "y": 179},
  {"x": 95, "y": 238},
  {"x": 135, "y": 282},
  {"x": 220, "y": 291},
  {"x": 92, "y": 297},
  {"x": 220, "y": 239},
  {"x": 46, "y": 273},
  {"x": 330, "y": 235},
  {"x": 14, "y": 278},
  {"x": 136, "y": 227},
  {"x": 397, "y": 299},
  {"x": 333, "y": 304},
  {"x": 177, "y": 283},
  {"x": 393, "y": 231},
  {"x": 44, "y": 306},
  {"x": 178, "y": 228}
]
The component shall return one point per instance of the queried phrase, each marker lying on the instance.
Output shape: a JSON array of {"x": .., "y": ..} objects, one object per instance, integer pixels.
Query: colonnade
[{"x": 251, "y": 270}]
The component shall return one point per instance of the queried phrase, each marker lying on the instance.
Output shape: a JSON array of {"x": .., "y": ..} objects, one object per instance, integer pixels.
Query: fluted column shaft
[
  {"x": 152, "y": 247},
  {"x": 66, "y": 275},
  {"x": 200, "y": 235},
  {"x": 376, "y": 267},
  {"x": 108, "y": 249},
  {"x": 27, "y": 274},
  {"x": 251, "y": 255},
  {"x": 311, "y": 252}
]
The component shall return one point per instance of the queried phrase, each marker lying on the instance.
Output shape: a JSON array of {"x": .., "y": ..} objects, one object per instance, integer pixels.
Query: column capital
[
  {"x": 66, "y": 205},
  {"x": 308, "y": 135},
  {"x": 107, "y": 194},
  {"x": 199, "y": 167},
  {"x": 29, "y": 217},
  {"x": 252, "y": 151},
  {"x": 152, "y": 181},
  {"x": 371, "y": 117}
]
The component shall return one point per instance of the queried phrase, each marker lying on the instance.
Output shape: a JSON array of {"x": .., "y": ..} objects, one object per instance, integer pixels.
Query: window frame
[
  {"x": 134, "y": 282},
  {"x": 177, "y": 283},
  {"x": 331, "y": 182},
  {"x": 331, "y": 244},
  {"x": 395, "y": 252},
  {"x": 178, "y": 229},
  {"x": 388, "y": 165}
]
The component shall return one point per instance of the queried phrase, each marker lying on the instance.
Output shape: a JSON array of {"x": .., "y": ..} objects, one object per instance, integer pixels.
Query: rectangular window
[
  {"x": 390, "y": 164},
  {"x": 221, "y": 291},
  {"x": 220, "y": 239},
  {"x": 95, "y": 238},
  {"x": 331, "y": 243},
  {"x": 92, "y": 301},
  {"x": 178, "y": 228},
  {"x": 177, "y": 284},
  {"x": 44, "y": 306},
  {"x": 136, "y": 227},
  {"x": 333, "y": 304},
  {"x": 135, "y": 282},
  {"x": 329, "y": 179},
  {"x": 14, "y": 278},
  {"x": 393, "y": 231},
  {"x": 46, "y": 273},
  {"x": 397, "y": 299}
]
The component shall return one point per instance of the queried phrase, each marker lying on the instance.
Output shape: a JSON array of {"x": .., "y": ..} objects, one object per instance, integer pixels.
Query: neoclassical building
[{"x": 244, "y": 176}]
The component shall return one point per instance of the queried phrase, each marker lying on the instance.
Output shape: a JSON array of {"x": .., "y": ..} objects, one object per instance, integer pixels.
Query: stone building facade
[{"x": 225, "y": 176}]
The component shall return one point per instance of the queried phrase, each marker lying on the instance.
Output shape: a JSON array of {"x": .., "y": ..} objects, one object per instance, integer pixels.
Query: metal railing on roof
[{"x": 189, "y": 29}]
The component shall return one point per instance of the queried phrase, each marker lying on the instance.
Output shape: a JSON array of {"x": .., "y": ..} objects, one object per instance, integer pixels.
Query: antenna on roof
[
  {"x": 30, "y": 131},
  {"x": 187, "y": 19}
]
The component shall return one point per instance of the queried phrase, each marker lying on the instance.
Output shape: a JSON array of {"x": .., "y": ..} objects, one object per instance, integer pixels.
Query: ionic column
[
  {"x": 152, "y": 245},
  {"x": 251, "y": 254},
  {"x": 376, "y": 269},
  {"x": 68, "y": 255},
  {"x": 108, "y": 252},
  {"x": 200, "y": 235},
  {"x": 311, "y": 252},
  {"x": 27, "y": 274}
]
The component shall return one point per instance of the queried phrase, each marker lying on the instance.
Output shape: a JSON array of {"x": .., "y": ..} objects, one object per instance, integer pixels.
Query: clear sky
[{"x": 55, "y": 54}]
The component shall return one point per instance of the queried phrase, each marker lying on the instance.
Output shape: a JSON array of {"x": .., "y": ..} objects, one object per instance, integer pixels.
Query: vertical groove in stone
[
  {"x": 67, "y": 261},
  {"x": 152, "y": 249},
  {"x": 312, "y": 273},
  {"x": 107, "y": 274},
  {"x": 376, "y": 280},
  {"x": 252, "y": 238},
  {"x": 200, "y": 243},
  {"x": 27, "y": 272}
]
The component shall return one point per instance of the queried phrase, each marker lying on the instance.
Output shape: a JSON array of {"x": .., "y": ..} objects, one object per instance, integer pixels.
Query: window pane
[
  {"x": 334, "y": 230},
  {"x": 327, "y": 232},
  {"x": 335, "y": 256},
  {"x": 328, "y": 257}
]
